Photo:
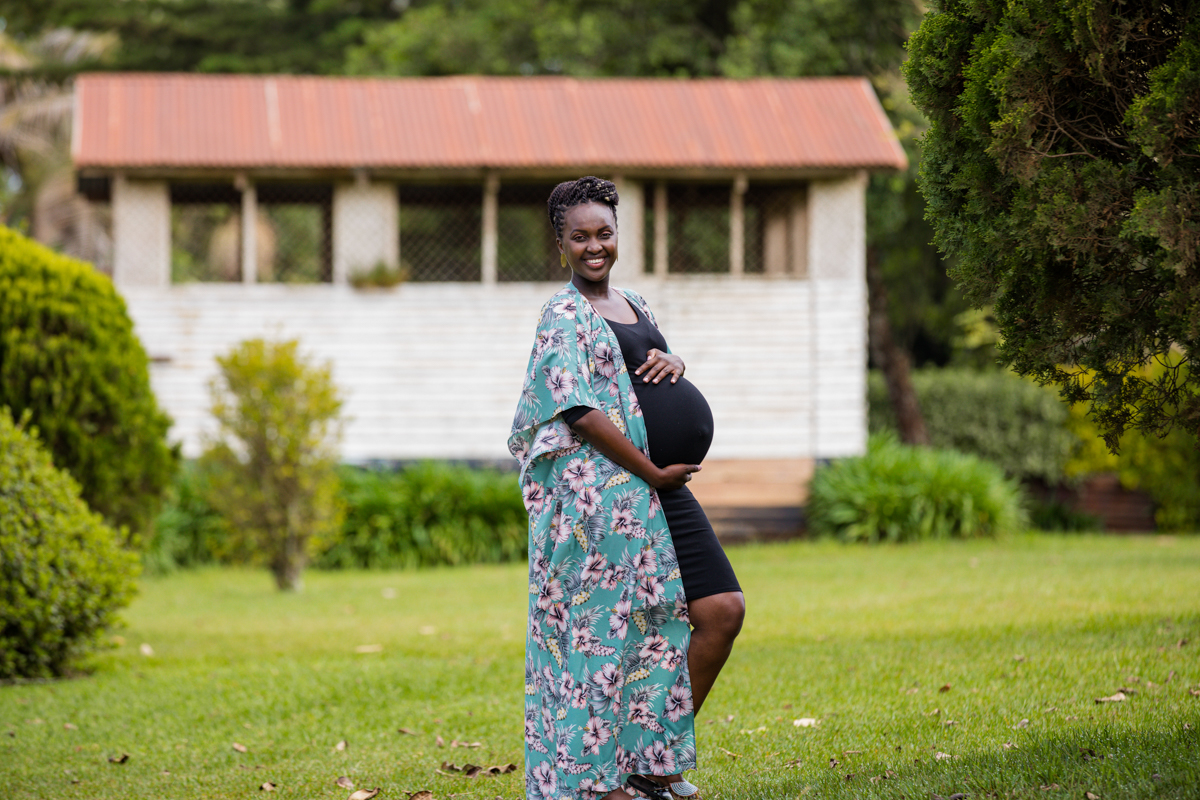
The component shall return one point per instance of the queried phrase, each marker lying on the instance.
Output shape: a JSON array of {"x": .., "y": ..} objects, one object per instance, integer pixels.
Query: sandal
[
  {"x": 644, "y": 787},
  {"x": 682, "y": 790}
]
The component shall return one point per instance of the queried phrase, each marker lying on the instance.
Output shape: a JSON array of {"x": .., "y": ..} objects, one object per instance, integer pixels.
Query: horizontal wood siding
[{"x": 433, "y": 370}]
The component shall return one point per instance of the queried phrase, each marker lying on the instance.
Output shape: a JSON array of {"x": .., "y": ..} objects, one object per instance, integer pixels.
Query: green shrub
[
  {"x": 271, "y": 466},
  {"x": 431, "y": 513},
  {"x": 897, "y": 493},
  {"x": 188, "y": 531},
  {"x": 992, "y": 414},
  {"x": 63, "y": 573},
  {"x": 68, "y": 356}
]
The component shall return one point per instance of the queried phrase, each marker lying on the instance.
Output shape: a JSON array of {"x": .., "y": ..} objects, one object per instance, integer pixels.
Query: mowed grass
[{"x": 968, "y": 668}]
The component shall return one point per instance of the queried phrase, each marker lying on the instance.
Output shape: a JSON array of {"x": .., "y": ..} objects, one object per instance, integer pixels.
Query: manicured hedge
[
  {"x": 69, "y": 357},
  {"x": 63, "y": 572}
]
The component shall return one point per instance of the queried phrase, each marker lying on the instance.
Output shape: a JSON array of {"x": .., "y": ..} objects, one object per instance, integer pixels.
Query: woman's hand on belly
[
  {"x": 596, "y": 428},
  {"x": 675, "y": 476},
  {"x": 659, "y": 365}
]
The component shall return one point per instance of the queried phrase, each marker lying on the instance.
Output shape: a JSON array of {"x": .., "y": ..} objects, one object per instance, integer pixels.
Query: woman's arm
[{"x": 605, "y": 437}]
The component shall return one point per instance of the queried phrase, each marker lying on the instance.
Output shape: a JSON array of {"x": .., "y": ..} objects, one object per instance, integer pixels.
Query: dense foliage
[
  {"x": 897, "y": 493},
  {"x": 1062, "y": 171},
  {"x": 431, "y": 513},
  {"x": 1011, "y": 422},
  {"x": 69, "y": 357},
  {"x": 63, "y": 572},
  {"x": 271, "y": 466}
]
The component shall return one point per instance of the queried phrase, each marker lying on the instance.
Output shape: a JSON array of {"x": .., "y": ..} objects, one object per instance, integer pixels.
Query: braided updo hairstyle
[{"x": 569, "y": 194}]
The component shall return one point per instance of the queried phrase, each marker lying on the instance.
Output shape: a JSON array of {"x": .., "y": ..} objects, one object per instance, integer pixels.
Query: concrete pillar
[
  {"x": 798, "y": 233},
  {"x": 660, "y": 229},
  {"x": 837, "y": 278},
  {"x": 366, "y": 228},
  {"x": 141, "y": 212},
  {"x": 490, "y": 243},
  {"x": 737, "y": 226},
  {"x": 631, "y": 234},
  {"x": 249, "y": 230}
]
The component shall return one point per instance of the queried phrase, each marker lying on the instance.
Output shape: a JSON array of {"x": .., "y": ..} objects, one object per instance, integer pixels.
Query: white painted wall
[{"x": 365, "y": 228}]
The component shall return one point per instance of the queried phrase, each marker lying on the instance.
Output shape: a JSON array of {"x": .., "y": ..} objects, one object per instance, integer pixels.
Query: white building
[{"x": 245, "y": 206}]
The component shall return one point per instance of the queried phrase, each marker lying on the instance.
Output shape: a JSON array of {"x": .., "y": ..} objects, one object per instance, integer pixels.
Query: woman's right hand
[{"x": 675, "y": 476}]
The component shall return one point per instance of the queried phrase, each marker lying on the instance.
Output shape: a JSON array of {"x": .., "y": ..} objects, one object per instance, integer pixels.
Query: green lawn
[{"x": 1025, "y": 634}]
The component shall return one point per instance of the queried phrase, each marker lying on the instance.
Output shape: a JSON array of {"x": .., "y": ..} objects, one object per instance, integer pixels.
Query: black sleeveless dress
[{"x": 679, "y": 430}]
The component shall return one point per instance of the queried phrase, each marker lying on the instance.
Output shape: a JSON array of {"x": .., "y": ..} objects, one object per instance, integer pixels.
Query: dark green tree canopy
[{"x": 1062, "y": 171}]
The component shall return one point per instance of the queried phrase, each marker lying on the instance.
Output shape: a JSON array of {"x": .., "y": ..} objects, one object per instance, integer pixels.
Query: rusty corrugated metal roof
[{"x": 463, "y": 122}]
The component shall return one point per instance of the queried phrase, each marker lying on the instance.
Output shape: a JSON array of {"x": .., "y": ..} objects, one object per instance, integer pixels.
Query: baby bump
[{"x": 679, "y": 423}]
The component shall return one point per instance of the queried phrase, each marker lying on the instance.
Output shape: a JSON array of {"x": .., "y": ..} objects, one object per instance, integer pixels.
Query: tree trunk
[{"x": 891, "y": 358}]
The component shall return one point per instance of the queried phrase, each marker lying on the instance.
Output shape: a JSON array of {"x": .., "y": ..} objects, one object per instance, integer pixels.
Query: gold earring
[{"x": 562, "y": 259}]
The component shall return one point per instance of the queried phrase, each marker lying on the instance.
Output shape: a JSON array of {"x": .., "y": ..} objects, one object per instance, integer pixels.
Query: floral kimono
[{"x": 606, "y": 681}]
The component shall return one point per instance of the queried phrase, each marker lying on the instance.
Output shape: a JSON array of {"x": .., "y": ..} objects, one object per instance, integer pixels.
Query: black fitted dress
[{"x": 679, "y": 430}]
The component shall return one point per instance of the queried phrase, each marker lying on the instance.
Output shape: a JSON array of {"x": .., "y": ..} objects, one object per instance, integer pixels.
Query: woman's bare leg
[{"x": 716, "y": 621}]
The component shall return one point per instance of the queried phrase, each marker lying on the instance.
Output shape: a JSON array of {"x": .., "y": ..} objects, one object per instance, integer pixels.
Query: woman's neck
[{"x": 592, "y": 290}]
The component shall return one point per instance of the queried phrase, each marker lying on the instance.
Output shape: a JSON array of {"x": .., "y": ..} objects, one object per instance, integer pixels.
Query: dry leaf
[
  {"x": 344, "y": 782},
  {"x": 912, "y": 690},
  {"x": 365, "y": 794},
  {"x": 146, "y": 649},
  {"x": 729, "y": 719},
  {"x": 1009, "y": 746},
  {"x": 1018, "y": 659},
  {"x": 1049, "y": 787},
  {"x": 369, "y": 648},
  {"x": 439, "y": 741},
  {"x": 805, "y": 722},
  {"x": 833, "y": 762},
  {"x": 851, "y": 752},
  {"x": 1119, "y": 697},
  {"x": 241, "y": 748},
  {"x": 949, "y": 722},
  {"x": 341, "y": 745},
  {"x": 471, "y": 770},
  {"x": 934, "y": 713},
  {"x": 405, "y": 731},
  {"x": 945, "y": 688},
  {"x": 1182, "y": 643},
  {"x": 424, "y": 794},
  {"x": 267, "y": 787},
  {"x": 849, "y": 776},
  {"x": 1022, "y": 724},
  {"x": 957, "y": 796},
  {"x": 67, "y": 726},
  {"x": 1194, "y": 692},
  {"x": 121, "y": 759},
  {"x": 1091, "y": 796},
  {"x": 729, "y": 753},
  {"x": 942, "y": 756}
]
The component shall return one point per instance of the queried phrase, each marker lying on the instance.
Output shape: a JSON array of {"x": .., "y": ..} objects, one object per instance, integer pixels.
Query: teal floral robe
[{"x": 607, "y": 691}]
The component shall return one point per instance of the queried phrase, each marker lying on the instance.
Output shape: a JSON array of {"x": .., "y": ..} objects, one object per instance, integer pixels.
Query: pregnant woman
[{"x": 633, "y": 605}]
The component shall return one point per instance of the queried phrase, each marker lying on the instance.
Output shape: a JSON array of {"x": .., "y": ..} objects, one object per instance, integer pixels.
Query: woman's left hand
[{"x": 659, "y": 365}]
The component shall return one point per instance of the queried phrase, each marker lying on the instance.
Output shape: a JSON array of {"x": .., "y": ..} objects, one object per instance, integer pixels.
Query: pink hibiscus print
[
  {"x": 662, "y": 760},
  {"x": 618, "y": 621},
  {"x": 556, "y": 615},
  {"x": 593, "y": 567},
  {"x": 595, "y": 735},
  {"x": 535, "y": 497},
  {"x": 610, "y": 679},
  {"x": 650, "y": 589},
  {"x": 579, "y": 473},
  {"x": 550, "y": 592},
  {"x": 678, "y": 703},
  {"x": 546, "y": 780},
  {"x": 654, "y": 647},
  {"x": 587, "y": 501},
  {"x": 560, "y": 383}
]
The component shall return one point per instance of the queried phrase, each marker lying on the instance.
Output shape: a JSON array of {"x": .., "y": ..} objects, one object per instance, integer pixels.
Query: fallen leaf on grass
[
  {"x": 424, "y": 794},
  {"x": 146, "y": 650},
  {"x": 1088, "y": 754},
  {"x": 241, "y": 748},
  {"x": 267, "y": 787},
  {"x": 1022, "y": 724},
  {"x": 457, "y": 743},
  {"x": 369, "y": 648},
  {"x": 1049, "y": 787},
  {"x": 911, "y": 690},
  {"x": 1194, "y": 692},
  {"x": 121, "y": 759},
  {"x": 1009, "y": 746},
  {"x": 850, "y": 775},
  {"x": 748, "y": 731},
  {"x": 933, "y": 713},
  {"x": 805, "y": 722},
  {"x": 729, "y": 719},
  {"x": 439, "y": 741},
  {"x": 852, "y": 752},
  {"x": 1182, "y": 643},
  {"x": 340, "y": 746},
  {"x": 945, "y": 688},
  {"x": 67, "y": 726},
  {"x": 729, "y": 753},
  {"x": 367, "y": 794},
  {"x": 344, "y": 782},
  {"x": 1119, "y": 697},
  {"x": 405, "y": 731},
  {"x": 1090, "y": 796},
  {"x": 833, "y": 762},
  {"x": 1018, "y": 659},
  {"x": 942, "y": 756}
]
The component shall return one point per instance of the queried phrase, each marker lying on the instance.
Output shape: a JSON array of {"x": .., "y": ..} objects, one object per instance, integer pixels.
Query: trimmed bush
[
  {"x": 68, "y": 356},
  {"x": 63, "y": 573},
  {"x": 188, "y": 532},
  {"x": 992, "y": 414},
  {"x": 897, "y": 494},
  {"x": 431, "y": 513}
]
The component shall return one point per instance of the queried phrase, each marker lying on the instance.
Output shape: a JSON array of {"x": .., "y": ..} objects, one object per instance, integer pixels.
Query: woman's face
[{"x": 589, "y": 240}]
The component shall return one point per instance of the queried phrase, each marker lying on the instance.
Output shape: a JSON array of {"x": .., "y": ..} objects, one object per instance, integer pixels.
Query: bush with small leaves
[
  {"x": 68, "y": 356},
  {"x": 897, "y": 493},
  {"x": 63, "y": 573}
]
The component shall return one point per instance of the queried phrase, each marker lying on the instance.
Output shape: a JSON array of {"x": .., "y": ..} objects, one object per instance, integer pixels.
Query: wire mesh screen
[
  {"x": 525, "y": 247},
  {"x": 698, "y": 228},
  {"x": 775, "y": 230},
  {"x": 297, "y": 221},
  {"x": 206, "y": 233},
  {"x": 441, "y": 232}
]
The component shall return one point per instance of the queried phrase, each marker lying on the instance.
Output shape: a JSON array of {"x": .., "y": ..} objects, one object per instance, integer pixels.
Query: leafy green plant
[
  {"x": 188, "y": 531},
  {"x": 897, "y": 493},
  {"x": 996, "y": 415},
  {"x": 69, "y": 357},
  {"x": 63, "y": 572},
  {"x": 380, "y": 276},
  {"x": 272, "y": 464},
  {"x": 431, "y": 513}
]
